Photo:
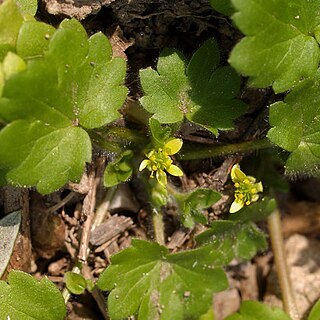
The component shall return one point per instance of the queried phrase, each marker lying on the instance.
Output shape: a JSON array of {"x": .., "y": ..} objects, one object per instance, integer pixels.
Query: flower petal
[
  {"x": 236, "y": 174},
  {"x": 161, "y": 177},
  {"x": 251, "y": 179},
  {"x": 236, "y": 206},
  {"x": 175, "y": 171},
  {"x": 259, "y": 186},
  {"x": 143, "y": 164},
  {"x": 173, "y": 146}
]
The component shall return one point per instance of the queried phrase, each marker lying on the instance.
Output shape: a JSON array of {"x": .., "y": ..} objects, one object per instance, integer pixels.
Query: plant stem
[
  {"x": 158, "y": 226},
  {"x": 102, "y": 210},
  {"x": 289, "y": 304},
  {"x": 200, "y": 151}
]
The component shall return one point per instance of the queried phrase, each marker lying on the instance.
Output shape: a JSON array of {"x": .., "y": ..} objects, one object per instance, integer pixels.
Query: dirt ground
[{"x": 49, "y": 240}]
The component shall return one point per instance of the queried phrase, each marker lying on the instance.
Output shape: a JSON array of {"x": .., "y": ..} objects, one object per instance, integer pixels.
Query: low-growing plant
[{"x": 60, "y": 96}]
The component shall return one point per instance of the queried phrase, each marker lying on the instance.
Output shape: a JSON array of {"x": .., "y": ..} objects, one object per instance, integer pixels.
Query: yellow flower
[
  {"x": 158, "y": 161},
  {"x": 246, "y": 189}
]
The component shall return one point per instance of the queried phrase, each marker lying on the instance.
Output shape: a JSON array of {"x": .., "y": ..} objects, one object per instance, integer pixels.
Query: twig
[
  {"x": 103, "y": 208},
  {"x": 89, "y": 202},
  {"x": 289, "y": 304}
]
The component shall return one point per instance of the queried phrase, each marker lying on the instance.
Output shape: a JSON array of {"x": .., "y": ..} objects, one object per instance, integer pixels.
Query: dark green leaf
[
  {"x": 202, "y": 92},
  {"x": 279, "y": 48},
  {"x": 253, "y": 310},
  {"x": 234, "y": 239},
  {"x": 256, "y": 211},
  {"x": 295, "y": 127},
  {"x": 223, "y": 6},
  {"x": 159, "y": 133},
  {"x": 119, "y": 170},
  {"x": 75, "y": 83},
  {"x": 268, "y": 168},
  {"x": 146, "y": 280},
  {"x": 75, "y": 282},
  {"x": 163, "y": 87},
  {"x": 190, "y": 205},
  {"x": 24, "y": 298}
]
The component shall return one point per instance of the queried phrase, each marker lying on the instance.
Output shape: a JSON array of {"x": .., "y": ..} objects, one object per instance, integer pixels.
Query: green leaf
[
  {"x": 146, "y": 280},
  {"x": 160, "y": 133},
  {"x": 256, "y": 211},
  {"x": 11, "y": 65},
  {"x": 223, "y": 6},
  {"x": 295, "y": 127},
  {"x": 75, "y": 85},
  {"x": 75, "y": 282},
  {"x": 33, "y": 39},
  {"x": 279, "y": 48},
  {"x": 190, "y": 205},
  {"x": 119, "y": 170},
  {"x": 28, "y": 6},
  {"x": 24, "y": 298},
  {"x": 203, "y": 92},
  {"x": 9, "y": 229},
  {"x": 267, "y": 167},
  {"x": 10, "y": 23},
  {"x": 253, "y": 310},
  {"x": 209, "y": 315},
  {"x": 163, "y": 87},
  {"x": 315, "y": 311},
  {"x": 234, "y": 239}
]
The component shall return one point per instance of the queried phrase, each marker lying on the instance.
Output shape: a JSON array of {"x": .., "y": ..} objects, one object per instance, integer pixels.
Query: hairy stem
[
  {"x": 158, "y": 226},
  {"x": 200, "y": 151},
  {"x": 289, "y": 304}
]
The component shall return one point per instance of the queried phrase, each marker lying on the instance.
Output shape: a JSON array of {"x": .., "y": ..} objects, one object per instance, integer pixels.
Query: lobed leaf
[
  {"x": 256, "y": 211},
  {"x": 295, "y": 127},
  {"x": 191, "y": 204},
  {"x": 146, "y": 280},
  {"x": 119, "y": 170},
  {"x": 281, "y": 43},
  {"x": 202, "y": 91},
  {"x": 74, "y": 84},
  {"x": 33, "y": 39},
  {"x": 160, "y": 134},
  {"x": 234, "y": 239},
  {"x": 25, "y": 298}
]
